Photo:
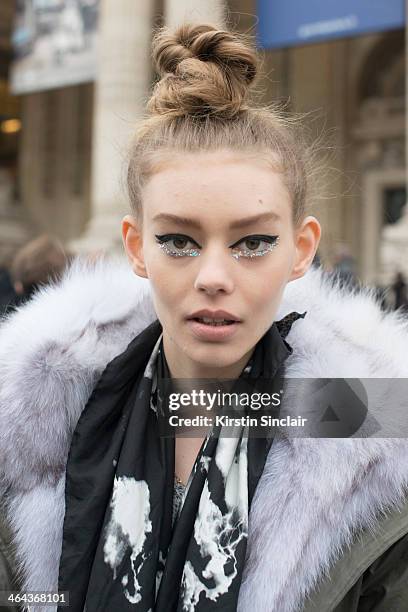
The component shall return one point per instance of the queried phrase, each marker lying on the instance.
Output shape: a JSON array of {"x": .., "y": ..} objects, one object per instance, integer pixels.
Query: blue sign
[{"x": 284, "y": 23}]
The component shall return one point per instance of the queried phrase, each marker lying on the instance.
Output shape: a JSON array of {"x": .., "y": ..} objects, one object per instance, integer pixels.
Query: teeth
[{"x": 215, "y": 322}]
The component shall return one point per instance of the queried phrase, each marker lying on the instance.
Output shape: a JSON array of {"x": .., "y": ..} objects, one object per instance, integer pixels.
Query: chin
[{"x": 216, "y": 354}]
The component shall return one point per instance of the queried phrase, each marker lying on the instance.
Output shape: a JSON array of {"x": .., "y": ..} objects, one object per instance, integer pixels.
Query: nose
[{"x": 214, "y": 274}]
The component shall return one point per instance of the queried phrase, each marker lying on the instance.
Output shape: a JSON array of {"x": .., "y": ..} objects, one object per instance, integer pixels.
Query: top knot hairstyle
[
  {"x": 201, "y": 103},
  {"x": 205, "y": 72}
]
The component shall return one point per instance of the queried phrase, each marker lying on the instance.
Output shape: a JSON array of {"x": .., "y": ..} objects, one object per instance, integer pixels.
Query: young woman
[{"x": 220, "y": 244}]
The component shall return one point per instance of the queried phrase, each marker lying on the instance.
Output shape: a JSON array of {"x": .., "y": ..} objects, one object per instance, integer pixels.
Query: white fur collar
[{"x": 312, "y": 492}]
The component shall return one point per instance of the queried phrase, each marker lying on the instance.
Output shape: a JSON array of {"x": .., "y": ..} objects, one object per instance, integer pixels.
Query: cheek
[
  {"x": 265, "y": 297},
  {"x": 166, "y": 289},
  {"x": 264, "y": 290},
  {"x": 164, "y": 299}
]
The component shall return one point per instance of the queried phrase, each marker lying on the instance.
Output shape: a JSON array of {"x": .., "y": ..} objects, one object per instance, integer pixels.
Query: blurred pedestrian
[
  {"x": 399, "y": 288},
  {"x": 35, "y": 264},
  {"x": 8, "y": 295},
  {"x": 344, "y": 265}
]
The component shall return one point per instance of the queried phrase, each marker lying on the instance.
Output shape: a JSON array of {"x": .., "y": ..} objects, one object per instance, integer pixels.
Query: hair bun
[{"x": 204, "y": 71}]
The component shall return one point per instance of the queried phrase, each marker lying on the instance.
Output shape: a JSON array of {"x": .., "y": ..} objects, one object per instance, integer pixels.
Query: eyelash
[{"x": 272, "y": 242}]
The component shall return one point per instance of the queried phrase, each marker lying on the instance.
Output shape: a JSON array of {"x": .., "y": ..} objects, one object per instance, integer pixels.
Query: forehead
[{"x": 223, "y": 183}]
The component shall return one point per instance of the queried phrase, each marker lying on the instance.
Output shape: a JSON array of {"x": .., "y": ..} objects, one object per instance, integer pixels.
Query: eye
[
  {"x": 253, "y": 243},
  {"x": 180, "y": 248},
  {"x": 179, "y": 245}
]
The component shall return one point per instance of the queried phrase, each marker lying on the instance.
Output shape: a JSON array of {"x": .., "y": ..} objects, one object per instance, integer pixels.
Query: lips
[
  {"x": 213, "y": 333},
  {"x": 217, "y": 315},
  {"x": 210, "y": 332}
]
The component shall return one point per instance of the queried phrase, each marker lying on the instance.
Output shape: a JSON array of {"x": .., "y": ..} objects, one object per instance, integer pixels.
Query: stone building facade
[{"x": 71, "y": 149}]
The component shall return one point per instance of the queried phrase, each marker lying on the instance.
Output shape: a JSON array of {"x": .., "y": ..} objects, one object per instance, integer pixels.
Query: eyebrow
[{"x": 239, "y": 223}]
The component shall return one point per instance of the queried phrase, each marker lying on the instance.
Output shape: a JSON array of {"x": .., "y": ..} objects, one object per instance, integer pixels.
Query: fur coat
[{"x": 314, "y": 494}]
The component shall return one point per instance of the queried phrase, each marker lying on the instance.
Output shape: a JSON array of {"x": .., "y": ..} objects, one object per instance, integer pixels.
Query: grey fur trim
[{"x": 312, "y": 494}]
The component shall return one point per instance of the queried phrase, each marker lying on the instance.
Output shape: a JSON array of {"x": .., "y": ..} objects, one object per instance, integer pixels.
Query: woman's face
[{"x": 217, "y": 234}]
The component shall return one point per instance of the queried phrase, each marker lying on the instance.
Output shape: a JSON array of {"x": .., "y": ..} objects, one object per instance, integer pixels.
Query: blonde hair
[{"x": 201, "y": 103}]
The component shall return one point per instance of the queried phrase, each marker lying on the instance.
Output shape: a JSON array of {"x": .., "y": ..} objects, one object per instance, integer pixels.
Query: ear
[
  {"x": 133, "y": 243},
  {"x": 307, "y": 238}
]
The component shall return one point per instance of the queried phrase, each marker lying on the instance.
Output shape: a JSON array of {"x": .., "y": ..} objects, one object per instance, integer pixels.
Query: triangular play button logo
[{"x": 329, "y": 415}]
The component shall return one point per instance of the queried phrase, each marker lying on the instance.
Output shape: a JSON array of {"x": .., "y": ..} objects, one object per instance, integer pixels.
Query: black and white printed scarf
[{"x": 119, "y": 550}]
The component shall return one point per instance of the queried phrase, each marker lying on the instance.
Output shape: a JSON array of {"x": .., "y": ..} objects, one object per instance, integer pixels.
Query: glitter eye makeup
[
  {"x": 271, "y": 243},
  {"x": 177, "y": 252},
  {"x": 180, "y": 251}
]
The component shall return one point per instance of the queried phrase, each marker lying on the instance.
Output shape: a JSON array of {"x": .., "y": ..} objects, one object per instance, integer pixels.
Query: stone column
[
  {"x": 121, "y": 89},
  {"x": 317, "y": 77},
  {"x": 55, "y": 160},
  {"x": 177, "y": 11}
]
